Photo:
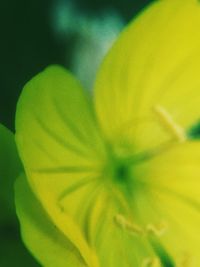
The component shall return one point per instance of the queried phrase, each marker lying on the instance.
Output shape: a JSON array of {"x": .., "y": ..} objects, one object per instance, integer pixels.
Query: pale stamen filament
[
  {"x": 125, "y": 224},
  {"x": 169, "y": 124},
  {"x": 157, "y": 229},
  {"x": 128, "y": 226}
]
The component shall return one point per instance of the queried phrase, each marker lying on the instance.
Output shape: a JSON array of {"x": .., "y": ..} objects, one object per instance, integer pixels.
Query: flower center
[
  {"x": 123, "y": 178},
  {"x": 121, "y": 171}
]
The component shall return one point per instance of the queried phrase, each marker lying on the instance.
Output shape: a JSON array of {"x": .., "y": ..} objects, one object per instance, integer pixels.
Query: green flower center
[
  {"x": 119, "y": 168},
  {"x": 121, "y": 172}
]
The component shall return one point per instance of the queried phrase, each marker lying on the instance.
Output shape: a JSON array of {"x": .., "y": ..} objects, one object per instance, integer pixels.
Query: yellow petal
[
  {"x": 155, "y": 61},
  {"x": 173, "y": 198}
]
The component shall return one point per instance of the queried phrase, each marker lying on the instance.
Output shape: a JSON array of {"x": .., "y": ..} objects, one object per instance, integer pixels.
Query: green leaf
[
  {"x": 10, "y": 242},
  {"x": 10, "y": 167},
  {"x": 41, "y": 236}
]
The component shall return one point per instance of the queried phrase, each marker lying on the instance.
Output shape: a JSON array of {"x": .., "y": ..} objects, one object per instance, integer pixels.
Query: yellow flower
[{"x": 115, "y": 182}]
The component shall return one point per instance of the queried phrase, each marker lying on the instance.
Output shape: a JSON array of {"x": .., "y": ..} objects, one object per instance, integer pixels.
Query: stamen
[
  {"x": 169, "y": 124},
  {"x": 128, "y": 226},
  {"x": 151, "y": 262},
  {"x": 157, "y": 229}
]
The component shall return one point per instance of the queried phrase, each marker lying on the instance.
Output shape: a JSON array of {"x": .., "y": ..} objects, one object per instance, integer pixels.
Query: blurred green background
[{"x": 36, "y": 33}]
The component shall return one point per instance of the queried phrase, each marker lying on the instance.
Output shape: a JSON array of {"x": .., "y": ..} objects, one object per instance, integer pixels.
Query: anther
[
  {"x": 157, "y": 229},
  {"x": 169, "y": 124},
  {"x": 151, "y": 262},
  {"x": 128, "y": 226}
]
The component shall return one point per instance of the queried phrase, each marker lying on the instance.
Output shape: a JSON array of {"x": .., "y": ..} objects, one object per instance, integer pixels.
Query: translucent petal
[
  {"x": 155, "y": 61},
  {"x": 59, "y": 143},
  {"x": 40, "y": 235}
]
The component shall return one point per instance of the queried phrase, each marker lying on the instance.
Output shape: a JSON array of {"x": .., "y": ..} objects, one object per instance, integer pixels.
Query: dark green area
[
  {"x": 126, "y": 7},
  {"x": 194, "y": 131},
  {"x": 12, "y": 251},
  {"x": 121, "y": 172}
]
